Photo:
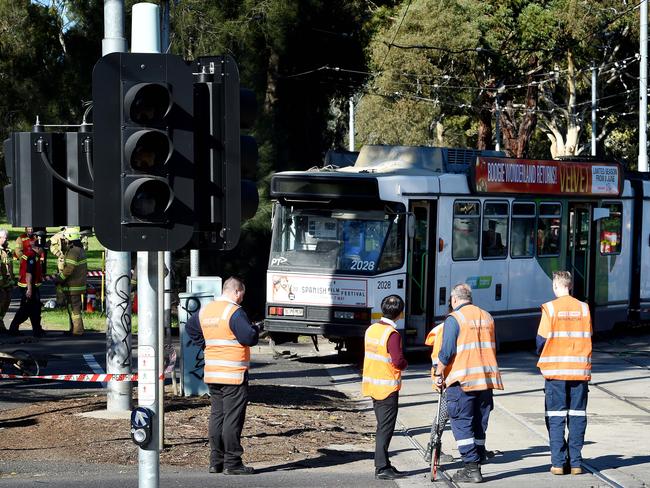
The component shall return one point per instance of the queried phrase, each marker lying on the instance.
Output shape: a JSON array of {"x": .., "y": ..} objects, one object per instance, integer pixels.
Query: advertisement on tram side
[{"x": 561, "y": 178}]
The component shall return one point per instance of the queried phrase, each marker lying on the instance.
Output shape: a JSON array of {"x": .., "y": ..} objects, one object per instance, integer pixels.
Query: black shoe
[
  {"x": 239, "y": 470},
  {"x": 14, "y": 332},
  {"x": 388, "y": 473},
  {"x": 40, "y": 333},
  {"x": 217, "y": 468},
  {"x": 471, "y": 473}
]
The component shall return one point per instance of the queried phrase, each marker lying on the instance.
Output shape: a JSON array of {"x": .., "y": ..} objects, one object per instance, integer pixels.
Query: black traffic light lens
[
  {"x": 148, "y": 103},
  {"x": 148, "y": 150},
  {"x": 148, "y": 199}
]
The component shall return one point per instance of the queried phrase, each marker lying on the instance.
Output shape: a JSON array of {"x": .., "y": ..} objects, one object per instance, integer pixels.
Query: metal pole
[
  {"x": 194, "y": 262},
  {"x": 594, "y": 74},
  {"x": 160, "y": 285},
  {"x": 351, "y": 145},
  {"x": 164, "y": 27},
  {"x": 118, "y": 264},
  {"x": 145, "y": 37},
  {"x": 148, "y": 365},
  {"x": 643, "y": 88}
]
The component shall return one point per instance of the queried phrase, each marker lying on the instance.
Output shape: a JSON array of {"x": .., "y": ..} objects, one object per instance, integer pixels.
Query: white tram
[{"x": 414, "y": 221}]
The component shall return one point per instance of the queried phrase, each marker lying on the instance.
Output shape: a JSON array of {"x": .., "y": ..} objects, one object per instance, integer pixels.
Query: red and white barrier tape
[{"x": 98, "y": 378}]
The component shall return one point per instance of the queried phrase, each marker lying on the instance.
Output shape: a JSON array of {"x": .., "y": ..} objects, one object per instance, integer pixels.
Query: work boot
[
  {"x": 239, "y": 470},
  {"x": 558, "y": 470},
  {"x": 471, "y": 473},
  {"x": 486, "y": 456},
  {"x": 576, "y": 470}
]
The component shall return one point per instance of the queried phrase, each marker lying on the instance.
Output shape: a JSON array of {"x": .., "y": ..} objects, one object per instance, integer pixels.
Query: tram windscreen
[{"x": 337, "y": 240}]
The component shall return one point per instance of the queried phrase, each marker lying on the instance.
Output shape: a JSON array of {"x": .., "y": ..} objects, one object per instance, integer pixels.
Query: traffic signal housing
[
  {"x": 223, "y": 154},
  {"x": 143, "y": 151}
]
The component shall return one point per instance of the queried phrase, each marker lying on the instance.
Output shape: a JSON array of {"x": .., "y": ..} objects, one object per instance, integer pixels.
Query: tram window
[
  {"x": 549, "y": 229},
  {"x": 611, "y": 229},
  {"x": 465, "y": 235},
  {"x": 522, "y": 237},
  {"x": 495, "y": 230}
]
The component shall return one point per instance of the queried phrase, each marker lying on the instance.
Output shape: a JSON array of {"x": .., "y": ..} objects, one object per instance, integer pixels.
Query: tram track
[{"x": 443, "y": 477}]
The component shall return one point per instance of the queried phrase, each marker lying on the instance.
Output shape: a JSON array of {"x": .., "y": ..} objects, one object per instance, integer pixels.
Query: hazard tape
[{"x": 98, "y": 378}]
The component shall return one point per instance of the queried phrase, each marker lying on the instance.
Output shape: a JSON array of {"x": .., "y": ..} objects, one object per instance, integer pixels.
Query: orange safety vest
[
  {"x": 567, "y": 330},
  {"x": 226, "y": 360},
  {"x": 474, "y": 366},
  {"x": 380, "y": 377},
  {"x": 434, "y": 339}
]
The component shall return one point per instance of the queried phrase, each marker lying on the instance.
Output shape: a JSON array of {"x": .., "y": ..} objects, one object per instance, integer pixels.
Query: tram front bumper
[{"x": 315, "y": 328}]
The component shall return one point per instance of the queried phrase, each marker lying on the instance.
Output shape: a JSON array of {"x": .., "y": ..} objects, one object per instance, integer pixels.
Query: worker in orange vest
[
  {"x": 383, "y": 364},
  {"x": 564, "y": 345},
  {"x": 467, "y": 365},
  {"x": 224, "y": 331}
]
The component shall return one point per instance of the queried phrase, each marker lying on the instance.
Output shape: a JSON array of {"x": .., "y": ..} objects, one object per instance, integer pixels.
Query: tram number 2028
[
  {"x": 383, "y": 285},
  {"x": 363, "y": 265}
]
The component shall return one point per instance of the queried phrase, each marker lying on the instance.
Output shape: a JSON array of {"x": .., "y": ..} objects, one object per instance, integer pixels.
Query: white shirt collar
[{"x": 388, "y": 322}]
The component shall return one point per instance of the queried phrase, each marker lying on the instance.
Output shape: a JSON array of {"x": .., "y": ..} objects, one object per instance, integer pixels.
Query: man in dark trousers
[
  {"x": 383, "y": 364},
  {"x": 564, "y": 346},
  {"x": 224, "y": 331},
  {"x": 29, "y": 281},
  {"x": 467, "y": 364}
]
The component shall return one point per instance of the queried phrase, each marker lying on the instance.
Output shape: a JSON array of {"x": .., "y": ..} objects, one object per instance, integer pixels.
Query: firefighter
[
  {"x": 6, "y": 277},
  {"x": 564, "y": 345},
  {"x": 383, "y": 364},
  {"x": 467, "y": 365},
  {"x": 30, "y": 279},
  {"x": 23, "y": 241},
  {"x": 73, "y": 279},
  {"x": 58, "y": 247}
]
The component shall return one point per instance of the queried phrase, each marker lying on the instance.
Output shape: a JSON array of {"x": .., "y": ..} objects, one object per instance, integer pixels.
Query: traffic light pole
[
  {"x": 145, "y": 37},
  {"x": 118, "y": 264}
]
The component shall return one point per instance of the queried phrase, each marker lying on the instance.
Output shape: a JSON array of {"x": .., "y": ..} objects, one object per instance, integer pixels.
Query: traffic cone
[{"x": 90, "y": 300}]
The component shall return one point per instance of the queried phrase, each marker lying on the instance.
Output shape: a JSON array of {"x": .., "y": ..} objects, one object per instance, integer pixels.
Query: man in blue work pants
[{"x": 566, "y": 405}]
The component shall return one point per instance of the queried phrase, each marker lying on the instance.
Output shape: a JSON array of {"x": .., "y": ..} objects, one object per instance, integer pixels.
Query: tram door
[
  {"x": 580, "y": 249},
  {"x": 421, "y": 260}
]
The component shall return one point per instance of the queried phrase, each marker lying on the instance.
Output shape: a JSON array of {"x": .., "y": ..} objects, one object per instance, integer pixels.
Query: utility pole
[
  {"x": 497, "y": 124},
  {"x": 145, "y": 38},
  {"x": 594, "y": 75},
  {"x": 643, "y": 87},
  {"x": 118, "y": 264}
]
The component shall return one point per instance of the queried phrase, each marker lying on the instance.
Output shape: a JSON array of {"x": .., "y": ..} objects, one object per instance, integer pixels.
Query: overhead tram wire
[{"x": 395, "y": 35}]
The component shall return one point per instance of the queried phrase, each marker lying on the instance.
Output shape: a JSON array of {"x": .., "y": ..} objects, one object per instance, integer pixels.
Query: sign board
[
  {"x": 540, "y": 177},
  {"x": 316, "y": 290}
]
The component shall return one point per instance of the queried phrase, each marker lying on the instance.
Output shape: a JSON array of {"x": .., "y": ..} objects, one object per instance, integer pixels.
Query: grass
[
  {"x": 57, "y": 319},
  {"x": 94, "y": 254}
]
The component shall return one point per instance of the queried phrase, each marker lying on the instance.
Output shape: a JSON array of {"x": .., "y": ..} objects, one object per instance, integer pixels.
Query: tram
[{"x": 415, "y": 221}]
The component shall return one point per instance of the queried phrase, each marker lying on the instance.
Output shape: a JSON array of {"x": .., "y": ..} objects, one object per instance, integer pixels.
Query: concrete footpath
[{"x": 617, "y": 450}]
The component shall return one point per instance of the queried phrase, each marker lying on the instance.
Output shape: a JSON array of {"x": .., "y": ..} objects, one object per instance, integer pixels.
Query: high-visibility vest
[
  {"x": 567, "y": 352},
  {"x": 380, "y": 376},
  {"x": 37, "y": 271},
  {"x": 226, "y": 360},
  {"x": 434, "y": 339},
  {"x": 474, "y": 366}
]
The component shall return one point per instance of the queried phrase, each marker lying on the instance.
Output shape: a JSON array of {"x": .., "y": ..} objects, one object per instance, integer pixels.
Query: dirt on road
[{"x": 284, "y": 425}]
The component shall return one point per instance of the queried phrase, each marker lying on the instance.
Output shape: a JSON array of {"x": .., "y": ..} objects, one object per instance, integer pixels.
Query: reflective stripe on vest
[
  {"x": 226, "y": 360},
  {"x": 474, "y": 366},
  {"x": 380, "y": 376},
  {"x": 567, "y": 351}
]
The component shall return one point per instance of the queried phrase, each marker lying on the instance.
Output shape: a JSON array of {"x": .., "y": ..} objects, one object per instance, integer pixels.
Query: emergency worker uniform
[
  {"x": 223, "y": 329},
  {"x": 72, "y": 280},
  {"x": 58, "y": 247},
  {"x": 6, "y": 282},
  {"x": 469, "y": 351},
  {"x": 30, "y": 307},
  {"x": 382, "y": 380},
  {"x": 564, "y": 341}
]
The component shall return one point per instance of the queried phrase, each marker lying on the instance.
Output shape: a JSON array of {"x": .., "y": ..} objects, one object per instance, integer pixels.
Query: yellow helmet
[{"x": 71, "y": 234}]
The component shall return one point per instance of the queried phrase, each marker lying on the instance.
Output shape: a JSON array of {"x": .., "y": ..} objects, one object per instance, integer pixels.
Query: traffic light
[
  {"x": 34, "y": 197},
  {"x": 143, "y": 151},
  {"x": 223, "y": 154}
]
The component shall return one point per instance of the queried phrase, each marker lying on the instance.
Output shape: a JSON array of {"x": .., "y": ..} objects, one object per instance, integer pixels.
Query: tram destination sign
[{"x": 532, "y": 176}]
